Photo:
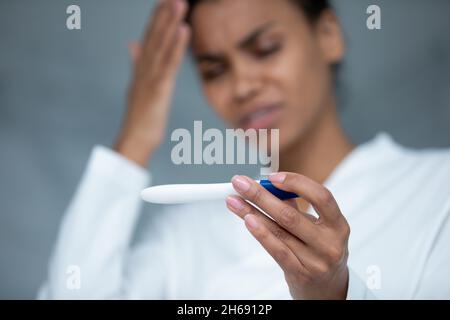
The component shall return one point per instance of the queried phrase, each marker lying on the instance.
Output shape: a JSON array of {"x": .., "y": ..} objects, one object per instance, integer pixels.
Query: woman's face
[{"x": 263, "y": 65}]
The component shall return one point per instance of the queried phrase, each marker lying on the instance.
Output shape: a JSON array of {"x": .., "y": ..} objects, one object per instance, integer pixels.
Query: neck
[{"x": 320, "y": 150}]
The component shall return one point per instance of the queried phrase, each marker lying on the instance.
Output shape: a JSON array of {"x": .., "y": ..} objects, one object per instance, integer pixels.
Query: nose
[{"x": 246, "y": 82}]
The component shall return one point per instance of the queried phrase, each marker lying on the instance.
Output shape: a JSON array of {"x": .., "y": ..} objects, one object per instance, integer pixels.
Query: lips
[{"x": 262, "y": 117}]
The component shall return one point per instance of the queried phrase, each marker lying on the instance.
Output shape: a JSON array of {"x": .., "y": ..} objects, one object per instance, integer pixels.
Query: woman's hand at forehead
[
  {"x": 312, "y": 251},
  {"x": 156, "y": 61}
]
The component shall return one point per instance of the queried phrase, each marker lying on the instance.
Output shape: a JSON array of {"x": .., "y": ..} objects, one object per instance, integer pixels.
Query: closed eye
[
  {"x": 213, "y": 72},
  {"x": 268, "y": 51}
]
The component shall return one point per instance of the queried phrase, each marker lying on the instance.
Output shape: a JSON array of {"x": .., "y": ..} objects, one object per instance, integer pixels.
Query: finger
[
  {"x": 179, "y": 48},
  {"x": 311, "y": 261},
  {"x": 279, "y": 251},
  {"x": 241, "y": 208},
  {"x": 154, "y": 19},
  {"x": 308, "y": 262},
  {"x": 284, "y": 214},
  {"x": 165, "y": 28},
  {"x": 292, "y": 203},
  {"x": 158, "y": 22},
  {"x": 172, "y": 29},
  {"x": 320, "y": 197}
]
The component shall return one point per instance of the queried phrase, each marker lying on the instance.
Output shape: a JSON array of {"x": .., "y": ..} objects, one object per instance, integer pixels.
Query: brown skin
[
  {"x": 269, "y": 58},
  {"x": 156, "y": 61}
]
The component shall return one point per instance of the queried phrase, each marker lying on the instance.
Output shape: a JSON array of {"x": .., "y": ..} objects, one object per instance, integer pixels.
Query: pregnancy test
[{"x": 188, "y": 193}]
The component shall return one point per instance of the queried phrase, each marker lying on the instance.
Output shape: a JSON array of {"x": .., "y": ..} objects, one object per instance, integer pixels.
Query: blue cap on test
[{"x": 280, "y": 194}]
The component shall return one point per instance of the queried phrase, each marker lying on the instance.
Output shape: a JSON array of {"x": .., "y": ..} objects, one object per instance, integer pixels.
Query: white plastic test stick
[{"x": 187, "y": 193}]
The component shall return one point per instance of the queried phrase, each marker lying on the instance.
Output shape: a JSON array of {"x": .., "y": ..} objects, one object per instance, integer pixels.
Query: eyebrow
[
  {"x": 254, "y": 35},
  {"x": 247, "y": 41}
]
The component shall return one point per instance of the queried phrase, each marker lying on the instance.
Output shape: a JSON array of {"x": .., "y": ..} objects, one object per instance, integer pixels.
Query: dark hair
[{"x": 311, "y": 8}]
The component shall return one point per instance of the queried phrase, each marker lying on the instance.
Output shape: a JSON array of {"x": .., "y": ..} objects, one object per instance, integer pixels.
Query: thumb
[{"x": 135, "y": 50}]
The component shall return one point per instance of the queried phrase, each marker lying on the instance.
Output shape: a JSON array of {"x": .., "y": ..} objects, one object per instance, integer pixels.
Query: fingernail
[
  {"x": 240, "y": 184},
  {"x": 234, "y": 203},
  {"x": 277, "y": 177},
  {"x": 251, "y": 221}
]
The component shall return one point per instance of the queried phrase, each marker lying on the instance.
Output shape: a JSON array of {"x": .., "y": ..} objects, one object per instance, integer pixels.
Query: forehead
[{"x": 217, "y": 24}]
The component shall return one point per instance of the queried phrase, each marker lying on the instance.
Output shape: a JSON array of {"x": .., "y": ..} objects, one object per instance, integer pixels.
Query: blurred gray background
[{"x": 62, "y": 92}]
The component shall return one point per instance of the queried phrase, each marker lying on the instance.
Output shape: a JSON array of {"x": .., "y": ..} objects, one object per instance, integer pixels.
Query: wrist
[{"x": 135, "y": 149}]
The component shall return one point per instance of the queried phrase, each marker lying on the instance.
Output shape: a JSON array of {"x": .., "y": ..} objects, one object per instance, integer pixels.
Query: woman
[{"x": 263, "y": 64}]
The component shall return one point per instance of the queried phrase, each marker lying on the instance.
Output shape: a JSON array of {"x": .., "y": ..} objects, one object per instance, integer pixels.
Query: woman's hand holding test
[{"x": 311, "y": 251}]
